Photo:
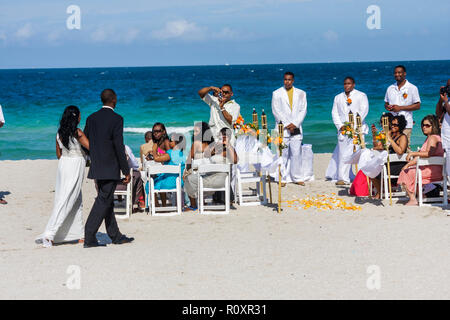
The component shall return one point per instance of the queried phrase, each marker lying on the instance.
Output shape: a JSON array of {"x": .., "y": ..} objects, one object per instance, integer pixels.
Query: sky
[{"x": 112, "y": 33}]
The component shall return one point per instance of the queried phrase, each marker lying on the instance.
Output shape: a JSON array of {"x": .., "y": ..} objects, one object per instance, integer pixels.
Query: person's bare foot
[
  {"x": 411, "y": 203},
  {"x": 81, "y": 241},
  {"x": 377, "y": 196},
  {"x": 3, "y": 201}
]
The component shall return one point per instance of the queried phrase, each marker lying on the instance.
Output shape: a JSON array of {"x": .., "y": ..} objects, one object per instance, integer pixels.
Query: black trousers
[{"x": 103, "y": 209}]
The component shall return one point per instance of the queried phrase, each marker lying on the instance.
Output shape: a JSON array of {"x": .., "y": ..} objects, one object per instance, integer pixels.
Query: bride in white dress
[{"x": 66, "y": 221}]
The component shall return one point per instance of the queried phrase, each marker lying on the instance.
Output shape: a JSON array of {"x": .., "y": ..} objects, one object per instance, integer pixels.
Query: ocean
[{"x": 33, "y": 99}]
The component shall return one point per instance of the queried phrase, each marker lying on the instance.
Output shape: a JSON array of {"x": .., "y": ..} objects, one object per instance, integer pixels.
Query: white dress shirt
[
  {"x": 341, "y": 108},
  {"x": 216, "y": 120},
  {"x": 132, "y": 162},
  {"x": 405, "y": 96},
  {"x": 282, "y": 111}
]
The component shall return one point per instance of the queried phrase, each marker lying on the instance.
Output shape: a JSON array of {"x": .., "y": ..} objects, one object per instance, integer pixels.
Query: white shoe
[{"x": 46, "y": 243}]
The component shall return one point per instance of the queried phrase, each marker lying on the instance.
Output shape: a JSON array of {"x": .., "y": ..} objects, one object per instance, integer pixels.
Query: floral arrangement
[
  {"x": 405, "y": 95},
  {"x": 241, "y": 128},
  {"x": 349, "y": 101},
  {"x": 278, "y": 141},
  {"x": 380, "y": 136},
  {"x": 322, "y": 202},
  {"x": 349, "y": 132}
]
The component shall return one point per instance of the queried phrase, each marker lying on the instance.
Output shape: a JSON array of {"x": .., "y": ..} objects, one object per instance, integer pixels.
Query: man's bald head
[{"x": 109, "y": 97}]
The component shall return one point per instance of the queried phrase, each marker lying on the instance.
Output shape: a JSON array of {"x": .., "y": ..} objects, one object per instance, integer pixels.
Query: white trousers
[
  {"x": 292, "y": 159},
  {"x": 337, "y": 169}
]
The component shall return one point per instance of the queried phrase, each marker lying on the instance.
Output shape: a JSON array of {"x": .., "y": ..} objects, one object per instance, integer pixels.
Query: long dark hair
[
  {"x": 206, "y": 133},
  {"x": 434, "y": 121},
  {"x": 163, "y": 137},
  {"x": 68, "y": 125}
]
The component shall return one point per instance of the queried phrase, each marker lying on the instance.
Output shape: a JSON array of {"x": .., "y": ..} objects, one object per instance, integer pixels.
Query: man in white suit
[
  {"x": 289, "y": 108},
  {"x": 356, "y": 102}
]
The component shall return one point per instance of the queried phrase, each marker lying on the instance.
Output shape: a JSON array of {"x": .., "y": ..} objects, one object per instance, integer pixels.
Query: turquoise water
[{"x": 34, "y": 99}]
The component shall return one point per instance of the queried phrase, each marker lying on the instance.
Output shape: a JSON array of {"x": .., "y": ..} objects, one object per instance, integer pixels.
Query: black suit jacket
[{"x": 104, "y": 129}]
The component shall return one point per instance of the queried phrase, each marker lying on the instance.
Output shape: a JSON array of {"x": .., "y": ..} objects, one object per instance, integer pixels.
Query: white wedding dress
[{"x": 66, "y": 221}]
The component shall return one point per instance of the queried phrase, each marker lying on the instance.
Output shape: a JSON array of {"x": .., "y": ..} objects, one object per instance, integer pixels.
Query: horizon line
[{"x": 218, "y": 65}]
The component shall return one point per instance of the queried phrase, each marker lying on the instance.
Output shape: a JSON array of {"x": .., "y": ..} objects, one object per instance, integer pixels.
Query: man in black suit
[{"x": 104, "y": 129}]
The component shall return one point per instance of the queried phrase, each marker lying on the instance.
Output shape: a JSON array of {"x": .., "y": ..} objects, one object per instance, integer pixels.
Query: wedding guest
[
  {"x": 220, "y": 152},
  {"x": 160, "y": 140},
  {"x": 223, "y": 110},
  {"x": 146, "y": 148},
  {"x": 398, "y": 143},
  {"x": 2, "y": 122},
  {"x": 173, "y": 156},
  {"x": 351, "y": 100},
  {"x": 66, "y": 220},
  {"x": 289, "y": 107},
  {"x": 201, "y": 139},
  {"x": 402, "y": 98},
  {"x": 443, "y": 112},
  {"x": 138, "y": 185},
  {"x": 432, "y": 147}
]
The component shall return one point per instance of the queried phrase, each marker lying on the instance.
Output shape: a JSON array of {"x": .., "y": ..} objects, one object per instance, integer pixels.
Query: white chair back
[
  {"x": 214, "y": 167},
  {"x": 155, "y": 169},
  {"x": 432, "y": 161}
]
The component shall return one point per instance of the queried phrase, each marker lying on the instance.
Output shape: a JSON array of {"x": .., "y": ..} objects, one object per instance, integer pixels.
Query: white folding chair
[
  {"x": 128, "y": 194},
  {"x": 160, "y": 169},
  {"x": 213, "y": 168},
  {"x": 250, "y": 198},
  {"x": 393, "y": 158},
  {"x": 438, "y": 161}
]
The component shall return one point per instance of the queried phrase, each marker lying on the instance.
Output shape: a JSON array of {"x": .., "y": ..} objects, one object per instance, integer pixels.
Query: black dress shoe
[
  {"x": 92, "y": 245},
  {"x": 123, "y": 239}
]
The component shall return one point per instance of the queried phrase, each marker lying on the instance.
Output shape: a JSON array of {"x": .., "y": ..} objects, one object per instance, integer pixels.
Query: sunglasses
[
  {"x": 425, "y": 125},
  {"x": 157, "y": 131},
  {"x": 394, "y": 125},
  {"x": 226, "y": 92}
]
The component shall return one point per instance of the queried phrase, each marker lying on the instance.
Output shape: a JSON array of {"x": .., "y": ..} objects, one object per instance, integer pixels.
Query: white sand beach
[{"x": 252, "y": 253}]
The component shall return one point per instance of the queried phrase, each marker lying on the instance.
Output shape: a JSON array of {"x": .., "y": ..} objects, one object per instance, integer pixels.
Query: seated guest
[
  {"x": 160, "y": 140},
  {"x": 147, "y": 147},
  {"x": 137, "y": 190},
  {"x": 432, "y": 147},
  {"x": 220, "y": 152},
  {"x": 173, "y": 156},
  {"x": 201, "y": 138},
  {"x": 398, "y": 144}
]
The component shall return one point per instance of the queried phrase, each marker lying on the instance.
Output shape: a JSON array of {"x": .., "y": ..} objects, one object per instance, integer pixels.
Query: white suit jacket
[
  {"x": 360, "y": 104},
  {"x": 282, "y": 111}
]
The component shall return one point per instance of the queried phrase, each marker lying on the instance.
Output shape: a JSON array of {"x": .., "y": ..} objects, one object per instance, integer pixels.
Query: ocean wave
[{"x": 169, "y": 130}]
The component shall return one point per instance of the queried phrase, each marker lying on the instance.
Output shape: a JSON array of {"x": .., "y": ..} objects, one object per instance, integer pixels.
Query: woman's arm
[
  {"x": 84, "y": 141},
  {"x": 190, "y": 157},
  {"x": 231, "y": 154},
  {"x": 162, "y": 158},
  {"x": 402, "y": 145},
  {"x": 58, "y": 150},
  {"x": 430, "y": 149},
  {"x": 166, "y": 145}
]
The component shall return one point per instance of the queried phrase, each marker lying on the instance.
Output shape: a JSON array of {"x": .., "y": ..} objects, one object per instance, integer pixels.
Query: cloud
[
  {"x": 111, "y": 35},
  {"x": 331, "y": 36},
  {"x": 54, "y": 36},
  {"x": 24, "y": 32},
  {"x": 180, "y": 29},
  {"x": 225, "y": 33}
]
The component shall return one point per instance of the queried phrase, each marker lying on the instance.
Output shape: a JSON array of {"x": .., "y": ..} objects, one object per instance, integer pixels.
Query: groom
[{"x": 104, "y": 129}]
